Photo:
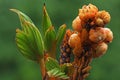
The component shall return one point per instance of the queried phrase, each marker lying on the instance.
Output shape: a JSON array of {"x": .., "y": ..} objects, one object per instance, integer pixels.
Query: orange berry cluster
[{"x": 90, "y": 34}]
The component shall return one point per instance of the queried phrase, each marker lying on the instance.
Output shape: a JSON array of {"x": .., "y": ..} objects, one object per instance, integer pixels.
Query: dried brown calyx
[{"x": 88, "y": 40}]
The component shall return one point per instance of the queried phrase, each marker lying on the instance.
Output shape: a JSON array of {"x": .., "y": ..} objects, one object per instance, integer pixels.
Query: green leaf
[
  {"x": 51, "y": 64},
  {"x": 29, "y": 40},
  {"x": 22, "y": 44},
  {"x": 57, "y": 73},
  {"x": 53, "y": 69},
  {"x": 67, "y": 68},
  {"x": 46, "y": 22},
  {"x": 22, "y": 17},
  {"x": 49, "y": 40},
  {"x": 60, "y": 34}
]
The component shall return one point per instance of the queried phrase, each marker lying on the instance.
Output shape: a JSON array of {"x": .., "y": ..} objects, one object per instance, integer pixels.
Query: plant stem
[
  {"x": 42, "y": 67},
  {"x": 52, "y": 53}
]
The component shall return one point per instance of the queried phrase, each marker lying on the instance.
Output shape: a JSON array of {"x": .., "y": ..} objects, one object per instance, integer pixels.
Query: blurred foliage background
[{"x": 13, "y": 66}]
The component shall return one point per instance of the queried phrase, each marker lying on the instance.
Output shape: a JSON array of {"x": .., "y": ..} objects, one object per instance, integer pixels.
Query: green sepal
[
  {"x": 46, "y": 22},
  {"x": 49, "y": 40},
  {"x": 60, "y": 34},
  {"x": 29, "y": 39}
]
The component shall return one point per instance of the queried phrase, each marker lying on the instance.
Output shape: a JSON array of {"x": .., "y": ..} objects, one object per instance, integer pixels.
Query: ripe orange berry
[
  {"x": 77, "y": 51},
  {"x": 99, "y": 22},
  {"x": 100, "y": 49},
  {"x": 76, "y": 24},
  {"x": 109, "y": 35},
  {"x": 73, "y": 40},
  {"x": 102, "y": 18},
  {"x": 97, "y": 35},
  {"x": 88, "y": 12}
]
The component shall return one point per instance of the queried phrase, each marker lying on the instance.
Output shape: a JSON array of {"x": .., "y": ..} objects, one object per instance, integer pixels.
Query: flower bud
[
  {"x": 109, "y": 35},
  {"x": 102, "y": 18},
  {"x": 73, "y": 40},
  {"x": 88, "y": 12},
  {"x": 76, "y": 24},
  {"x": 100, "y": 49},
  {"x": 97, "y": 35}
]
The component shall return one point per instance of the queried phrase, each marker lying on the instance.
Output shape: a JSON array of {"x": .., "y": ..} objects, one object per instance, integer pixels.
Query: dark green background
[{"x": 13, "y": 66}]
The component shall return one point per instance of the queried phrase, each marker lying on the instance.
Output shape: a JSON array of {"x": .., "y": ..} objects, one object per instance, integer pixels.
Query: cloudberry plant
[{"x": 88, "y": 40}]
